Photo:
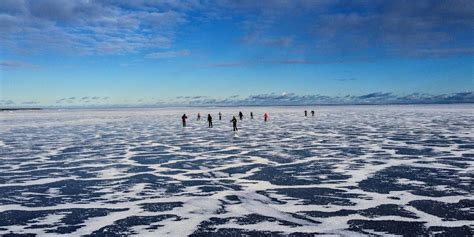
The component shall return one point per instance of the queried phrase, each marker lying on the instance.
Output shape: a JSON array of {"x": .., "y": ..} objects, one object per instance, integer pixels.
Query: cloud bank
[
  {"x": 271, "y": 99},
  {"x": 336, "y": 30},
  {"x": 370, "y": 98}
]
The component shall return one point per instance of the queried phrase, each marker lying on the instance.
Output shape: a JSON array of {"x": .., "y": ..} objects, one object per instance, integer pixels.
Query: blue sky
[{"x": 105, "y": 53}]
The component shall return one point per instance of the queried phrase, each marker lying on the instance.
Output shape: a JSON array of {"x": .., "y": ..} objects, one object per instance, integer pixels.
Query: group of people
[
  {"x": 306, "y": 113},
  {"x": 233, "y": 120}
]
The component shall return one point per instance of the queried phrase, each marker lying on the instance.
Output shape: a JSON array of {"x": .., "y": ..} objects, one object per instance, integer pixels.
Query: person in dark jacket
[
  {"x": 234, "y": 123},
  {"x": 312, "y": 113},
  {"x": 265, "y": 117},
  {"x": 209, "y": 119},
  {"x": 251, "y": 115},
  {"x": 199, "y": 116},
  {"x": 305, "y": 113},
  {"x": 220, "y": 115},
  {"x": 241, "y": 115},
  {"x": 183, "y": 118}
]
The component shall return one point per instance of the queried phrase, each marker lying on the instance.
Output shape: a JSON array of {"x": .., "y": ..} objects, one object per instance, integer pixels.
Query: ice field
[{"x": 348, "y": 171}]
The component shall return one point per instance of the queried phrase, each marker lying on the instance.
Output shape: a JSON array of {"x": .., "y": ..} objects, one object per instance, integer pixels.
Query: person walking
[
  {"x": 312, "y": 113},
  {"x": 199, "y": 117},
  {"x": 234, "y": 123},
  {"x": 241, "y": 115},
  {"x": 265, "y": 117},
  {"x": 183, "y": 118},
  {"x": 209, "y": 119},
  {"x": 220, "y": 115},
  {"x": 251, "y": 115},
  {"x": 305, "y": 113}
]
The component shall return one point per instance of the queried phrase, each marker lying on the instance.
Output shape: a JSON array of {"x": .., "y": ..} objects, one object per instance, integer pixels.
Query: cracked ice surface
[{"x": 400, "y": 170}]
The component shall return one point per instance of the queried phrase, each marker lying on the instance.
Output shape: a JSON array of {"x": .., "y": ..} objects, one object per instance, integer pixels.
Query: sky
[{"x": 66, "y": 53}]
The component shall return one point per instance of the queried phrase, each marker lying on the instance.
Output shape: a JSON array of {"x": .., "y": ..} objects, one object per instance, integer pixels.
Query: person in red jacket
[{"x": 265, "y": 117}]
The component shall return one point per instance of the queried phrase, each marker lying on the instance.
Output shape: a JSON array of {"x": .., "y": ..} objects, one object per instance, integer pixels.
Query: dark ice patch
[
  {"x": 406, "y": 228},
  {"x": 316, "y": 196},
  {"x": 426, "y": 152},
  {"x": 160, "y": 206},
  {"x": 241, "y": 169},
  {"x": 378, "y": 211},
  {"x": 250, "y": 233},
  {"x": 211, "y": 227},
  {"x": 385, "y": 181},
  {"x": 194, "y": 164},
  {"x": 300, "y": 174},
  {"x": 462, "y": 210},
  {"x": 80, "y": 191},
  {"x": 451, "y": 231},
  {"x": 466, "y": 146},
  {"x": 123, "y": 227},
  {"x": 73, "y": 218}
]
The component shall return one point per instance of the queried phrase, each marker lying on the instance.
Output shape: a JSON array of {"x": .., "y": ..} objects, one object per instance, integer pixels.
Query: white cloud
[{"x": 85, "y": 27}]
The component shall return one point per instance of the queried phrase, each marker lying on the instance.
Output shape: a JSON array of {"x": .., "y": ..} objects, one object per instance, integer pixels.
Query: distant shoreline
[
  {"x": 16, "y": 109},
  {"x": 222, "y": 106}
]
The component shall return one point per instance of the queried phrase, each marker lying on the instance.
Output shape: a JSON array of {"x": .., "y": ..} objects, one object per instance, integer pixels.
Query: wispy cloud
[
  {"x": 442, "y": 52},
  {"x": 192, "y": 97},
  {"x": 82, "y": 100},
  {"x": 290, "y": 61},
  {"x": 168, "y": 54},
  {"x": 282, "y": 41},
  {"x": 265, "y": 62},
  {"x": 30, "y": 103},
  {"x": 375, "y": 95},
  {"x": 7, "y": 102},
  {"x": 70, "y": 100},
  {"x": 345, "y": 79},
  {"x": 12, "y": 64}
]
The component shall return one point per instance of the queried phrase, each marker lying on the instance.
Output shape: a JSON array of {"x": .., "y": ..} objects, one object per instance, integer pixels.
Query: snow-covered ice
[{"x": 348, "y": 171}]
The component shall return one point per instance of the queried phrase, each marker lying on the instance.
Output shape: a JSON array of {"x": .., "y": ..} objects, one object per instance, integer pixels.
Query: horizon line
[{"x": 222, "y": 106}]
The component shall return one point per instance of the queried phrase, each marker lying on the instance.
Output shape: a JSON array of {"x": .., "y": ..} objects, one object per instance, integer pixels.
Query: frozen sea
[{"x": 348, "y": 171}]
